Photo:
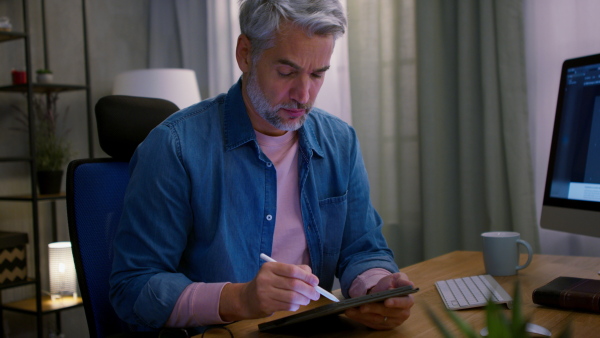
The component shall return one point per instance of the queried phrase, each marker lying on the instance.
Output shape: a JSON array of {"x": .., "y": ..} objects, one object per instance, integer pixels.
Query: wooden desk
[{"x": 543, "y": 269}]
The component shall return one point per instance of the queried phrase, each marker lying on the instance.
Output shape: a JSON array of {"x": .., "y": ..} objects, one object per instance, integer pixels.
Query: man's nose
[{"x": 300, "y": 91}]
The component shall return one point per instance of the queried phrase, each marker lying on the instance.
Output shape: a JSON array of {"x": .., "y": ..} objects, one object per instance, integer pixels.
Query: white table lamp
[
  {"x": 173, "y": 84},
  {"x": 63, "y": 280}
]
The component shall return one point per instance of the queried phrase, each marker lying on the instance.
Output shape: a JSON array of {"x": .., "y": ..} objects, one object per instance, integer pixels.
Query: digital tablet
[{"x": 335, "y": 308}]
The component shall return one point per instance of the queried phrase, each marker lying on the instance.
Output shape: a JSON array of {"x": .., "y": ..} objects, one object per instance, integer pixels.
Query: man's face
[
  {"x": 283, "y": 84},
  {"x": 270, "y": 113}
]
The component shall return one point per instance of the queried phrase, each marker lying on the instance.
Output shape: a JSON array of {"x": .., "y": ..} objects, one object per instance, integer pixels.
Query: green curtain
[{"x": 440, "y": 106}]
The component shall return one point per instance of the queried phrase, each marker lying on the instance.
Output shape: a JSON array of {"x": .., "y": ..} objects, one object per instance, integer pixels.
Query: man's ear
[{"x": 242, "y": 53}]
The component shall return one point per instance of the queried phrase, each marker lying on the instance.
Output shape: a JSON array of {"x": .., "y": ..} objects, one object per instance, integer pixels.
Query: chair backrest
[
  {"x": 123, "y": 122},
  {"x": 95, "y": 191},
  {"x": 94, "y": 207}
]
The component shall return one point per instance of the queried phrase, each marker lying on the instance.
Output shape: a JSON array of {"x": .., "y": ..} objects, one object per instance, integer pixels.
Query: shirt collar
[
  {"x": 237, "y": 127},
  {"x": 238, "y": 130}
]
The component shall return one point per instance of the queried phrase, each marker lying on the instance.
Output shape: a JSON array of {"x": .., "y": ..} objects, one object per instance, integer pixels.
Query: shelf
[
  {"x": 48, "y": 305},
  {"x": 15, "y": 159},
  {"x": 29, "y": 198},
  {"x": 39, "y": 304},
  {"x": 42, "y": 88},
  {"x": 7, "y": 36},
  {"x": 19, "y": 283}
]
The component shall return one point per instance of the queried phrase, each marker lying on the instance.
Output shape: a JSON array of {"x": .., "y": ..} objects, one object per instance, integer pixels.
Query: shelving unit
[
  {"x": 40, "y": 305},
  {"x": 39, "y": 88}
]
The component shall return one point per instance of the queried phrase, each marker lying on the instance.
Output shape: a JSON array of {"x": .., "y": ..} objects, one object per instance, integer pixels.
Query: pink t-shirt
[{"x": 198, "y": 304}]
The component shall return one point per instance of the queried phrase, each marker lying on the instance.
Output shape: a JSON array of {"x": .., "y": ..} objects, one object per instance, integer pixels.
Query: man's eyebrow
[
  {"x": 321, "y": 70},
  {"x": 295, "y": 66}
]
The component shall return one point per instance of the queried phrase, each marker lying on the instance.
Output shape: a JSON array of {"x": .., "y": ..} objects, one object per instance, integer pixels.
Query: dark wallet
[{"x": 570, "y": 293}]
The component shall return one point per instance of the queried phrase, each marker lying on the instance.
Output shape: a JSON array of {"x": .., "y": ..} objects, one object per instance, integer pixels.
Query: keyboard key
[
  {"x": 479, "y": 297},
  {"x": 465, "y": 291},
  {"x": 491, "y": 289},
  {"x": 458, "y": 295}
]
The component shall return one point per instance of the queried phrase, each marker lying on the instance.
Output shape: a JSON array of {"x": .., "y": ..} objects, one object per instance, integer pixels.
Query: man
[{"x": 255, "y": 170}]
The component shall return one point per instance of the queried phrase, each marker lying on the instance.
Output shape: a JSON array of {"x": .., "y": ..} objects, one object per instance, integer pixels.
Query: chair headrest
[{"x": 124, "y": 122}]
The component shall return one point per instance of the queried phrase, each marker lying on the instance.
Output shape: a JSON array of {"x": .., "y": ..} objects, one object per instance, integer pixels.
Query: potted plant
[
  {"x": 44, "y": 76},
  {"x": 52, "y": 153},
  {"x": 52, "y": 150}
]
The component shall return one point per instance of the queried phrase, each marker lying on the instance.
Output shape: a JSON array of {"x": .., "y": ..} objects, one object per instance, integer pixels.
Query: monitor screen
[{"x": 572, "y": 192}]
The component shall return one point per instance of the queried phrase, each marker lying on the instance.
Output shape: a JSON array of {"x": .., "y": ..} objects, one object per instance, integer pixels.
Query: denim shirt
[{"x": 201, "y": 206}]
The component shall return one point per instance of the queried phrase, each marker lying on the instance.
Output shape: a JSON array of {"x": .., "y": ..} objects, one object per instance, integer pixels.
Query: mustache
[{"x": 295, "y": 105}]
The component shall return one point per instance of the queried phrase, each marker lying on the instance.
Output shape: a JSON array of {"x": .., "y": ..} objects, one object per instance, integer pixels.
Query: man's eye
[
  {"x": 282, "y": 74},
  {"x": 317, "y": 75}
]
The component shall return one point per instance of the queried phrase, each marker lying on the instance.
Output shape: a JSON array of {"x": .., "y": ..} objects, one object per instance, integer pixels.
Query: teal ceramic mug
[{"x": 501, "y": 252}]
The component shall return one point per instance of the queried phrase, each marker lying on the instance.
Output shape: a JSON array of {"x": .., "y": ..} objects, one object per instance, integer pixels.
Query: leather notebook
[
  {"x": 335, "y": 308},
  {"x": 570, "y": 293}
]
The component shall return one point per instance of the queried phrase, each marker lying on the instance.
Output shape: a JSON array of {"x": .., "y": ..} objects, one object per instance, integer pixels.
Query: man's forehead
[{"x": 300, "y": 51}]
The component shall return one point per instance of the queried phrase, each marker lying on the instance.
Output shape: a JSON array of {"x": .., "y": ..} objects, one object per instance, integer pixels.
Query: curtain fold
[
  {"x": 197, "y": 35},
  {"x": 177, "y": 38},
  {"x": 444, "y": 128},
  {"x": 223, "y": 30},
  {"x": 334, "y": 96}
]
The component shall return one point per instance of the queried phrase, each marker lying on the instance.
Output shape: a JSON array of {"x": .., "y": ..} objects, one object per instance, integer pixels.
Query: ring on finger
[{"x": 385, "y": 319}]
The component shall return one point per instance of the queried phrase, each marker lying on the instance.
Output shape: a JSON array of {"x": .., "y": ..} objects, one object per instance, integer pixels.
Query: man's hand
[
  {"x": 276, "y": 287},
  {"x": 389, "y": 314}
]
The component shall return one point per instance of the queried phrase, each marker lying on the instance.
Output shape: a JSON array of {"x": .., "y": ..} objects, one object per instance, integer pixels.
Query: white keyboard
[{"x": 470, "y": 292}]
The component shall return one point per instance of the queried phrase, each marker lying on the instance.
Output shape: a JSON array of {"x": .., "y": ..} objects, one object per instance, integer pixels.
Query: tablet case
[{"x": 335, "y": 308}]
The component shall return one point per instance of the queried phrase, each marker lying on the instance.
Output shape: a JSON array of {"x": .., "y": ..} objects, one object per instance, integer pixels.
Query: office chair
[{"x": 95, "y": 190}]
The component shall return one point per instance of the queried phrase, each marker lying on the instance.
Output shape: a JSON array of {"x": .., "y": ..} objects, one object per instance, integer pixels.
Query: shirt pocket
[{"x": 333, "y": 217}]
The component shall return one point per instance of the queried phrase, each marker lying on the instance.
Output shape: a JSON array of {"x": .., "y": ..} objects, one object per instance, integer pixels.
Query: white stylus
[{"x": 318, "y": 288}]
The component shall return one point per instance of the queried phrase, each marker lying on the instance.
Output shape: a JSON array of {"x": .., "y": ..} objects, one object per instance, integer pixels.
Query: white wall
[{"x": 555, "y": 30}]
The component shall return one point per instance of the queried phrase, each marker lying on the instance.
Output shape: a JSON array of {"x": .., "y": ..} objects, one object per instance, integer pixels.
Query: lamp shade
[
  {"x": 173, "y": 84},
  {"x": 63, "y": 279}
]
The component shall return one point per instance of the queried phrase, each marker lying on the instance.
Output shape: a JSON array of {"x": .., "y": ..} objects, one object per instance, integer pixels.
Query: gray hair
[{"x": 260, "y": 19}]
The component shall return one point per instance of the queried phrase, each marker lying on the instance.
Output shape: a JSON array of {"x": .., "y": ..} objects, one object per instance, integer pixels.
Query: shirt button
[
  {"x": 269, "y": 217},
  {"x": 269, "y": 164}
]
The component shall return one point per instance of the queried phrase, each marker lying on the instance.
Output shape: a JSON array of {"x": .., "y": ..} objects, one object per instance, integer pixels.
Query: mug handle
[{"x": 529, "y": 254}]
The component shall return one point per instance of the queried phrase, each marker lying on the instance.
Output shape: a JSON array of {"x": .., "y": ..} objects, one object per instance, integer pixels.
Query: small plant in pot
[
  {"x": 52, "y": 150},
  {"x": 52, "y": 153},
  {"x": 44, "y": 76}
]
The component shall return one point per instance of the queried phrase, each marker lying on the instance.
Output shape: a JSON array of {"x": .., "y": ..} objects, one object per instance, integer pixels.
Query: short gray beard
[{"x": 270, "y": 113}]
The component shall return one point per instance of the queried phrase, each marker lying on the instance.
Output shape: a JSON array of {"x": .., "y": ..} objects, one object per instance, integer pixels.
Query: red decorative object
[{"x": 19, "y": 77}]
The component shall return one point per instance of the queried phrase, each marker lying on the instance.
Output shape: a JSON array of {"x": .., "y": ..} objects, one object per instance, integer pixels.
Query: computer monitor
[{"x": 572, "y": 192}]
